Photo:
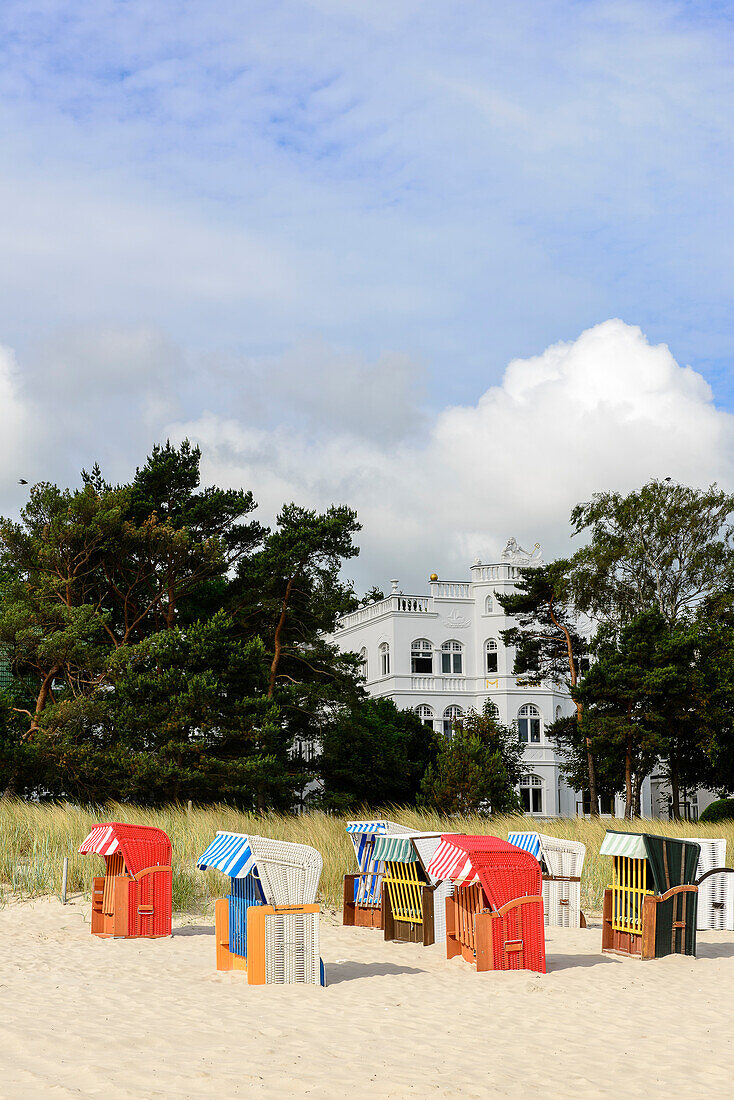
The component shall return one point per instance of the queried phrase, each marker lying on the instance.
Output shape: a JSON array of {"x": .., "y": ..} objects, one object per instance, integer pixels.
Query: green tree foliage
[
  {"x": 477, "y": 769},
  {"x": 164, "y": 644},
  {"x": 665, "y": 545},
  {"x": 721, "y": 810},
  {"x": 640, "y": 698},
  {"x": 374, "y": 755},
  {"x": 669, "y": 548},
  {"x": 548, "y": 646}
]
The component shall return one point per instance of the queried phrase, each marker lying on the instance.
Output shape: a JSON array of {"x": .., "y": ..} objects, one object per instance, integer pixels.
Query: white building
[{"x": 442, "y": 655}]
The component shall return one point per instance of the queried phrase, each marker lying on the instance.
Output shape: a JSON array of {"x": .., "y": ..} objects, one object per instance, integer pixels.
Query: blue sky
[{"x": 312, "y": 215}]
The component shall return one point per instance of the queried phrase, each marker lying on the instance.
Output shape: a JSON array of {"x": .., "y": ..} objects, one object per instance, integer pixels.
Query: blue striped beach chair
[
  {"x": 269, "y": 924},
  {"x": 562, "y": 862},
  {"x": 363, "y": 891}
]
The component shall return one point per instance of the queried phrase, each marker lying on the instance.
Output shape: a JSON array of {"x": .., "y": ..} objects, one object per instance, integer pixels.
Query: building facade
[{"x": 441, "y": 654}]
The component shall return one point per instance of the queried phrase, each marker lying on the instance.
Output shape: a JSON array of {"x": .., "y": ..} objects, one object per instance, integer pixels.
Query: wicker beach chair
[
  {"x": 562, "y": 862},
  {"x": 715, "y": 883},
  {"x": 650, "y": 905},
  {"x": 363, "y": 892},
  {"x": 273, "y": 914},
  {"x": 495, "y": 916},
  {"x": 413, "y": 901},
  {"x": 135, "y": 896}
]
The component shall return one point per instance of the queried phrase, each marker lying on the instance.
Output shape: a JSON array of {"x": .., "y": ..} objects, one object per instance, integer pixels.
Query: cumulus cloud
[{"x": 608, "y": 410}]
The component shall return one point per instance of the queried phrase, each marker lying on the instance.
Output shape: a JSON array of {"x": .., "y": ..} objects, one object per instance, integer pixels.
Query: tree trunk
[
  {"x": 277, "y": 647},
  {"x": 628, "y": 810},
  {"x": 637, "y": 798},
  {"x": 674, "y": 788},
  {"x": 590, "y": 765},
  {"x": 42, "y": 699}
]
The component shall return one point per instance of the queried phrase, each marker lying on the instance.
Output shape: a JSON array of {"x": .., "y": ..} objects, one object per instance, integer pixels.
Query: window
[
  {"x": 559, "y": 712},
  {"x": 449, "y": 717},
  {"x": 492, "y": 709},
  {"x": 452, "y": 658},
  {"x": 384, "y": 659},
  {"x": 363, "y": 667},
  {"x": 425, "y": 714},
  {"x": 489, "y": 605},
  {"x": 531, "y": 794},
  {"x": 528, "y": 724},
  {"x": 421, "y": 656},
  {"x": 491, "y": 650}
]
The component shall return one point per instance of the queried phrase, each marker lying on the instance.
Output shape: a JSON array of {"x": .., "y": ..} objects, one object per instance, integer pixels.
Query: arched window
[
  {"x": 492, "y": 709},
  {"x": 531, "y": 794},
  {"x": 425, "y": 714},
  {"x": 528, "y": 724},
  {"x": 384, "y": 659},
  {"x": 452, "y": 658},
  {"x": 363, "y": 665},
  {"x": 449, "y": 717},
  {"x": 491, "y": 651},
  {"x": 421, "y": 656},
  {"x": 489, "y": 605},
  {"x": 559, "y": 712}
]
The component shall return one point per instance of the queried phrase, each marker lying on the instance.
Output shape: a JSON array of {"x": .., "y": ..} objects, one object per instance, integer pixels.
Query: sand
[{"x": 135, "y": 1018}]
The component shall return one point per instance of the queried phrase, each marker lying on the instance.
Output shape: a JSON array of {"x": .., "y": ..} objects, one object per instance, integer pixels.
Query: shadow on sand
[
  {"x": 714, "y": 950},
  {"x": 194, "y": 930},
  {"x": 573, "y": 962},
  {"x": 351, "y": 971}
]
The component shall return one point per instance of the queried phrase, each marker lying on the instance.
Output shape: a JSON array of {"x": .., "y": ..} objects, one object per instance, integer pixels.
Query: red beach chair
[
  {"x": 135, "y": 896},
  {"x": 495, "y": 916}
]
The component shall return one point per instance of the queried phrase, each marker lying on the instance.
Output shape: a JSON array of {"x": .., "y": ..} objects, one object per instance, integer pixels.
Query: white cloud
[
  {"x": 16, "y": 442},
  {"x": 607, "y": 410}
]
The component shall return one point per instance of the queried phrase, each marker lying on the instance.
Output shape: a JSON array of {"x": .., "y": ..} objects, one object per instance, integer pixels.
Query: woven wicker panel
[
  {"x": 443, "y": 890},
  {"x": 716, "y": 894},
  {"x": 562, "y": 904},
  {"x": 289, "y": 873},
  {"x": 563, "y": 857},
  {"x": 292, "y": 953}
]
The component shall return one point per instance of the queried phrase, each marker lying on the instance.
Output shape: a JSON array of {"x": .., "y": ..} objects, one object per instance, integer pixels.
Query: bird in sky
[{"x": 22, "y": 481}]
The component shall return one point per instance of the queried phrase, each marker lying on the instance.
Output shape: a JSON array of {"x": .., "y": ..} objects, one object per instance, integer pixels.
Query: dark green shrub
[{"x": 721, "y": 810}]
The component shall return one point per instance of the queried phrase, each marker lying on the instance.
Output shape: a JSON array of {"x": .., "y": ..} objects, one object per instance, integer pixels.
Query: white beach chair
[
  {"x": 716, "y": 892},
  {"x": 562, "y": 862},
  {"x": 289, "y": 924}
]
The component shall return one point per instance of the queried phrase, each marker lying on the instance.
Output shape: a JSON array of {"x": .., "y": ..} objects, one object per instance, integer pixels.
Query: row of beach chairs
[{"x": 487, "y": 899}]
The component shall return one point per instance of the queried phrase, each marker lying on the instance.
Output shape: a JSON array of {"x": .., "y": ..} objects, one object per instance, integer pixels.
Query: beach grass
[{"x": 34, "y": 839}]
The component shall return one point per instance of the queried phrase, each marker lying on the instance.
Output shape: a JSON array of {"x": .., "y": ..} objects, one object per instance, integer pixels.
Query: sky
[{"x": 456, "y": 264}]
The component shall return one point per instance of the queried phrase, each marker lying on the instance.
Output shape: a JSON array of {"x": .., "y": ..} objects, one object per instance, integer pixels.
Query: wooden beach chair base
[
  {"x": 512, "y": 938},
  {"x": 665, "y": 920},
  {"x": 407, "y": 931},
  {"x": 358, "y": 916}
]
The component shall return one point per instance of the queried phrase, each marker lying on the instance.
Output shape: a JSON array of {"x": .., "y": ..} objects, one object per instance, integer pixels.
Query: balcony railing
[{"x": 410, "y": 605}]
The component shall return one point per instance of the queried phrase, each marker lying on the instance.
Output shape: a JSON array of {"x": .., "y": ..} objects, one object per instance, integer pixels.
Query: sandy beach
[{"x": 134, "y": 1018}]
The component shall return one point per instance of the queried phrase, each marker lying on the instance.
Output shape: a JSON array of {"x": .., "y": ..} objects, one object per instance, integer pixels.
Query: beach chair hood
[
  {"x": 229, "y": 853},
  {"x": 141, "y": 846},
  {"x": 556, "y": 855},
  {"x": 504, "y": 871},
  {"x": 288, "y": 873},
  {"x": 672, "y": 861},
  {"x": 415, "y": 847}
]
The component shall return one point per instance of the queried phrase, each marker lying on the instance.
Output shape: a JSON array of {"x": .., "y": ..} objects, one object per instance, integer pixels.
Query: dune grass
[{"x": 35, "y": 838}]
